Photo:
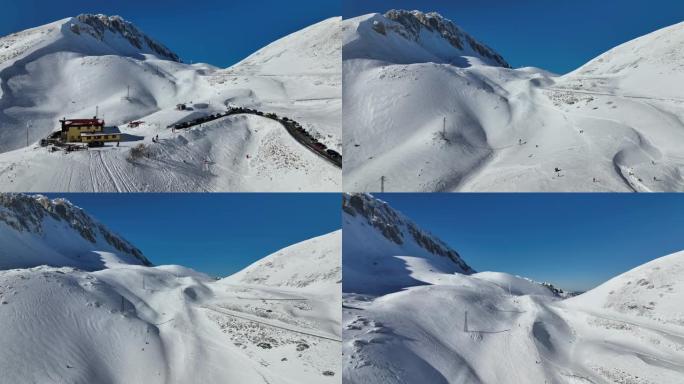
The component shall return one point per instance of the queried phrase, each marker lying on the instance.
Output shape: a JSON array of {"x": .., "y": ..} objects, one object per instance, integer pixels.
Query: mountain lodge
[{"x": 91, "y": 131}]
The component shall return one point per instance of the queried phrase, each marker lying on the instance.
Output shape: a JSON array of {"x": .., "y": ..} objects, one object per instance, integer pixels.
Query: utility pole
[
  {"x": 28, "y": 126},
  {"x": 97, "y": 110},
  {"x": 382, "y": 183},
  {"x": 465, "y": 323}
]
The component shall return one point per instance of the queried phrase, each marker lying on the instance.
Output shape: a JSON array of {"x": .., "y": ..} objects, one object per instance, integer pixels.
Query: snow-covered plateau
[
  {"x": 80, "y": 66},
  {"x": 79, "y": 304},
  {"x": 414, "y": 312},
  {"x": 426, "y": 107}
]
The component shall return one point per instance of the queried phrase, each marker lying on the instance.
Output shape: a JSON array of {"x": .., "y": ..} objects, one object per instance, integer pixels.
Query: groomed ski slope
[
  {"x": 428, "y": 116},
  {"x": 425, "y": 319},
  {"x": 104, "y": 319},
  {"x": 298, "y": 76}
]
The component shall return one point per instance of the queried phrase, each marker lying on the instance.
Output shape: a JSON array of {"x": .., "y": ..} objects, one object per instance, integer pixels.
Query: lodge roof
[{"x": 81, "y": 122}]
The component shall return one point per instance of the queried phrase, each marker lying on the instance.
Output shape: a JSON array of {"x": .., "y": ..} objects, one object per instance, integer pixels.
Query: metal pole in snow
[
  {"x": 465, "y": 323},
  {"x": 444, "y": 127},
  {"x": 382, "y": 183}
]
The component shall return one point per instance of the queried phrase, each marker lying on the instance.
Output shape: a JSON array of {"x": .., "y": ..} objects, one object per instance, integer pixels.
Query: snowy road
[{"x": 271, "y": 323}]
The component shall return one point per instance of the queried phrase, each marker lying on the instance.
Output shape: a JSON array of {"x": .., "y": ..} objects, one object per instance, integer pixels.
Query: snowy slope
[
  {"x": 96, "y": 314},
  {"x": 35, "y": 231},
  {"x": 430, "y": 117},
  {"x": 646, "y": 66},
  {"x": 374, "y": 235},
  {"x": 491, "y": 327},
  {"x": 291, "y": 266},
  {"x": 75, "y": 66},
  {"x": 649, "y": 292}
]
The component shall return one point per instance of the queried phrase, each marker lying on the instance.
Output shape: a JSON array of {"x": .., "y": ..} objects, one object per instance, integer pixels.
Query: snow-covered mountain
[
  {"x": 80, "y": 304},
  {"x": 315, "y": 49},
  {"x": 78, "y": 66},
  {"x": 426, "y": 115},
  {"x": 69, "y": 67},
  {"x": 110, "y": 30},
  {"x": 403, "y": 37},
  {"x": 646, "y": 66},
  {"x": 374, "y": 234},
  {"x": 291, "y": 266},
  {"x": 35, "y": 230},
  {"x": 651, "y": 292},
  {"x": 491, "y": 327}
]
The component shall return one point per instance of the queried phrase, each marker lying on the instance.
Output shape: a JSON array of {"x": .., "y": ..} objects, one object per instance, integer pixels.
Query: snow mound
[
  {"x": 37, "y": 231},
  {"x": 516, "y": 285},
  {"x": 375, "y": 238},
  {"x": 309, "y": 264}
]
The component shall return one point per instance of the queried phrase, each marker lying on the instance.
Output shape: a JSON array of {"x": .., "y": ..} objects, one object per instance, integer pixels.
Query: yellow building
[
  {"x": 100, "y": 137},
  {"x": 90, "y": 131}
]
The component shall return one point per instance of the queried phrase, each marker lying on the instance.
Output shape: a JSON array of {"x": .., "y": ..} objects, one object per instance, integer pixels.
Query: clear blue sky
[
  {"x": 576, "y": 241},
  {"x": 214, "y": 233},
  {"x": 557, "y": 35},
  {"x": 218, "y": 32}
]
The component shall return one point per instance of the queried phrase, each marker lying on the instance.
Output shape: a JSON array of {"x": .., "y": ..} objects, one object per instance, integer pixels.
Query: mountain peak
[
  {"x": 395, "y": 227},
  {"x": 38, "y": 231},
  {"x": 415, "y": 22},
  {"x": 99, "y": 26},
  {"x": 377, "y": 239}
]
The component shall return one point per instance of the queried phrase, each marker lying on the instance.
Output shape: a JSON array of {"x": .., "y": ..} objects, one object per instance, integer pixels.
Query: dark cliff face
[
  {"x": 26, "y": 213},
  {"x": 97, "y": 25},
  {"x": 394, "y": 226},
  {"x": 415, "y": 21}
]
